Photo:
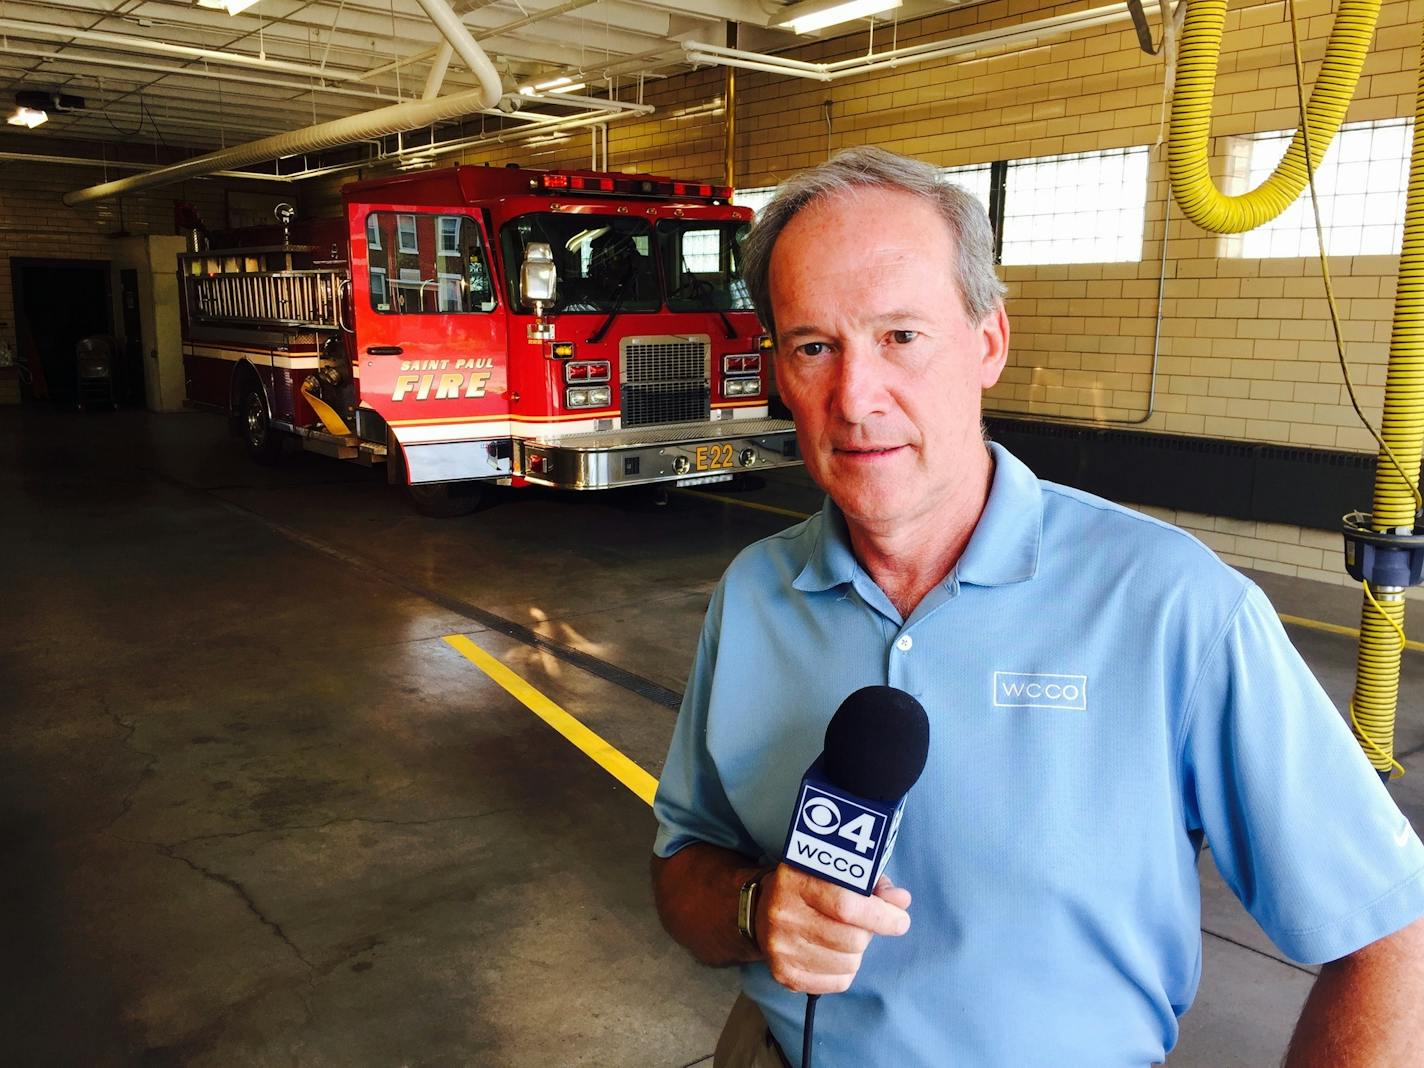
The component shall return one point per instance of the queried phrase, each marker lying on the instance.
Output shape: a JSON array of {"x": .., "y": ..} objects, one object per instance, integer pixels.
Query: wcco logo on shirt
[{"x": 1016, "y": 690}]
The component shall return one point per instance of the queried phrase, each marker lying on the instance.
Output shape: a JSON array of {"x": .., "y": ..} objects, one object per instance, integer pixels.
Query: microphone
[{"x": 853, "y": 795}]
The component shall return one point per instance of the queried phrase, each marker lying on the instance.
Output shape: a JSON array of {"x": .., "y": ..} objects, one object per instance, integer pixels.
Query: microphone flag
[{"x": 841, "y": 837}]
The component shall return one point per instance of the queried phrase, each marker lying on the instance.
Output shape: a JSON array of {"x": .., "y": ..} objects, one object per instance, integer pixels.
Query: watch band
[{"x": 746, "y": 908}]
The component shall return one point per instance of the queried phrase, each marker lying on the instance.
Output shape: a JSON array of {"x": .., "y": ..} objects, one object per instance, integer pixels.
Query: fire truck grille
[{"x": 665, "y": 380}]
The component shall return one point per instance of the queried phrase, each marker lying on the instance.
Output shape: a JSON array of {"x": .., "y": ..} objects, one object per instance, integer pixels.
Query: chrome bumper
[{"x": 681, "y": 453}]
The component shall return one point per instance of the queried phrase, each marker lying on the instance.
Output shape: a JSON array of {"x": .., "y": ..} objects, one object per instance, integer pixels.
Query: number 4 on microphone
[{"x": 844, "y": 839}]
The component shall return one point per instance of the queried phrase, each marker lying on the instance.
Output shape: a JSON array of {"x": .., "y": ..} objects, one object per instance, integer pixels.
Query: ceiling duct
[{"x": 398, "y": 118}]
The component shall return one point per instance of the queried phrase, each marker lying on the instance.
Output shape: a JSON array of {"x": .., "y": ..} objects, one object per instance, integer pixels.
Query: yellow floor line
[
  {"x": 589, "y": 743},
  {"x": 1335, "y": 628},
  {"x": 1299, "y": 621},
  {"x": 747, "y": 504}
]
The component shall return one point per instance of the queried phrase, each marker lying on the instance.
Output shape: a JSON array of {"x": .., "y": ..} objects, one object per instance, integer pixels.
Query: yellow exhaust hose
[
  {"x": 1192, "y": 185},
  {"x": 1376, "y": 697},
  {"x": 1401, "y": 437}
]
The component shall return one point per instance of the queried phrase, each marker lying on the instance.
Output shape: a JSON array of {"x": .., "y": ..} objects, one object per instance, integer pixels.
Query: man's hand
[{"x": 814, "y": 933}]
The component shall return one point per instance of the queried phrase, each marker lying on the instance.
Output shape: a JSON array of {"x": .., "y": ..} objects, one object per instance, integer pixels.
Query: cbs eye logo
[
  {"x": 823, "y": 818},
  {"x": 821, "y": 815}
]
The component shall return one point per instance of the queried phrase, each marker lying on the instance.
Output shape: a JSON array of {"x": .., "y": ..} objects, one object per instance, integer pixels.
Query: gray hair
[{"x": 870, "y": 167}]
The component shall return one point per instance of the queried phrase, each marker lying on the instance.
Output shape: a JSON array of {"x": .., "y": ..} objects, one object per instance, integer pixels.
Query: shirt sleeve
[
  {"x": 690, "y": 804},
  {"x": 1298, "y": 822}
]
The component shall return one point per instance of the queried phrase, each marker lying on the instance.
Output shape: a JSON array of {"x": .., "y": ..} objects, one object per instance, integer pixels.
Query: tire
[
  {"x": 262, "y": 442},
  {"x": 446, "y": 500}
]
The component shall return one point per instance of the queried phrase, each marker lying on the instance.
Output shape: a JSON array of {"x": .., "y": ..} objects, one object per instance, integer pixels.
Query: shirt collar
[
  {"x": 1004, "y": 546},
  {"x": 1002, "y": 550},
  {"x": 832, "y": 561}
]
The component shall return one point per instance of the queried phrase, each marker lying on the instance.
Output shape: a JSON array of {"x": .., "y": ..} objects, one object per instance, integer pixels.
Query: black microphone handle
[
  {"x": 810, "y": 1026},
  {"x": 876, "y": 746}
]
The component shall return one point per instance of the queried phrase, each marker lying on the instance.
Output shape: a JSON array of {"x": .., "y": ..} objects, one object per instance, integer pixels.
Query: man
[{"x": 1051, "y": 843}]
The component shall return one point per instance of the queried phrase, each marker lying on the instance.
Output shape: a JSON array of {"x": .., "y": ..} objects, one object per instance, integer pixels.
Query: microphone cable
[{"x": 810, "y": 1027}]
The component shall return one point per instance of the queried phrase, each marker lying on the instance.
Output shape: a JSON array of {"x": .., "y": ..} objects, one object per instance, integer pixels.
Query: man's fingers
[
  {"x": 812, "y": 959},
  {"x": 792, "y": 923},
  {"x": 803, "y": 982},
  {"x": 813, "y": 933},
  {"x": 895, "y": 895},
  {"x": 874, "y": 914}
]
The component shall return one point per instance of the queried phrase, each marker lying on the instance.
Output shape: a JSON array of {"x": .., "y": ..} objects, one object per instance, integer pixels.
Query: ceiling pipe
[
  {"x": 457, "y": 34},
  {"x": 436, "y": 78},
  {"x": 481, "y": 35},
  {"x": 591, "y": 103},
  {"x": 397, "y": 118},
  {"x": 1043, "y": 29},
  {"x": 141, "y": 44},
  {"x": 120, "y": 165},
  {"x": 191, "y": 72},
  {"x": 443, "y": 148}
]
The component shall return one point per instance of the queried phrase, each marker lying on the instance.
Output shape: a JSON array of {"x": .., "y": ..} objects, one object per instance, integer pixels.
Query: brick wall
[{"x": 35, "y": 223}]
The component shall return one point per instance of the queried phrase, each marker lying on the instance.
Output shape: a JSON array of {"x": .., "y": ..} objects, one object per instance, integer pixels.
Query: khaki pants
[{"x": 746, "y": 1041}]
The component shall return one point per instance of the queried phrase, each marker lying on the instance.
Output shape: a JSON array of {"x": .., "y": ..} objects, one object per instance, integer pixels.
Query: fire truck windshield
[
  {"x": 604, "y": 262},
  {"x": 702, "y": 264}
]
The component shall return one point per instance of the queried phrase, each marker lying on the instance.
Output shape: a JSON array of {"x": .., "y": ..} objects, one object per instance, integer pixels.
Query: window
[
  {"x": 973, "y": 179},
  {"x": 450, "y": 295},
  {"x": 756, "y": 198},
  {"x": 604, "y": 263},
  {"x": 448, "y": 233},
  {"x": 1088, "y": 207},
  {"x": 410, "y": 291},
  {"x": 1362, "y": 184},
  {"x": 701, "y": 250},
  {"x": 702, "y": 265},
  {"x": 452, "y": 275},
  {"x": 373, "y": 233},
  {"x": 407, "y": 241}
]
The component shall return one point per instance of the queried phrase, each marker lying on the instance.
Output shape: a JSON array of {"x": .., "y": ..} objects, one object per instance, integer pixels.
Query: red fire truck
[{"x": 479, "y": 325}]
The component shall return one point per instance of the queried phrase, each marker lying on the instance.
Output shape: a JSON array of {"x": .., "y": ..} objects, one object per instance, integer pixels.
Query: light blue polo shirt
[{"x": 1102, "y": 691}]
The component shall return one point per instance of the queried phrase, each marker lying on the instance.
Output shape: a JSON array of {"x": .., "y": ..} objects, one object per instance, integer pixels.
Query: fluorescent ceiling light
[
  {"x": 232, "y": 7},
  {"x": 553, "y": 85},
  {"x": 28, "y": 117},
  {"x": 814, "y": 15}
]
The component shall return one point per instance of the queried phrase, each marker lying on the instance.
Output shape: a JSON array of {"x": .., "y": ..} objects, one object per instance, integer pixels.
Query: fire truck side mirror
[{"x": 538, "y": 279}]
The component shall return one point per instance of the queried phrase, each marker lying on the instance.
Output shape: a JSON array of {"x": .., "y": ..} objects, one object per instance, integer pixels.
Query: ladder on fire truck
[{"x": 258, "y": 287}]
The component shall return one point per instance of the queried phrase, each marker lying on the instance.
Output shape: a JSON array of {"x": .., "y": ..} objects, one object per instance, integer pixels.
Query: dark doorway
[{"x": 58, "y": 302}]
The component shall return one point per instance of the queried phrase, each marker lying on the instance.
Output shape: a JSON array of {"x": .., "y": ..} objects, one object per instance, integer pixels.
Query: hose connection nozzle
[{"x": 1381, "y": 558}]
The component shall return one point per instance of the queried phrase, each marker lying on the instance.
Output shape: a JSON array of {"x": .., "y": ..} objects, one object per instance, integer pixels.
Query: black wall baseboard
[{"x": 1240, "y": 479}]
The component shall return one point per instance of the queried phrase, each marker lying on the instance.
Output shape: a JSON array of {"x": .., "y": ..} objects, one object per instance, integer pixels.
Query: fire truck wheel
[
  {"x": 264, "y": 444},
  {"x": 446, "y": 500}
]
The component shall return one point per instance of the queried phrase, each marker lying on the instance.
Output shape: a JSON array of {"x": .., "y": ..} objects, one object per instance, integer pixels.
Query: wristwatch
[{"x": 746, "y": 908}]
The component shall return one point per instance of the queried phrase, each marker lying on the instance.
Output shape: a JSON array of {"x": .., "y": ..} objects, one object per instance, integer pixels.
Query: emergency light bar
[{"x": 645, "y": 187}]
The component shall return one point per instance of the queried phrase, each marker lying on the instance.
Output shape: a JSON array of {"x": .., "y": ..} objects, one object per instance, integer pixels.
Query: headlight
[
  {"x": 597, "y": 397},
  {"x": 741, "y": 387}
]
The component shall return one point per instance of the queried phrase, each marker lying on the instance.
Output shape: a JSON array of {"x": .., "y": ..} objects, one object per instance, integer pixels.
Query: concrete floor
[{"x": 256, "y": 812}]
